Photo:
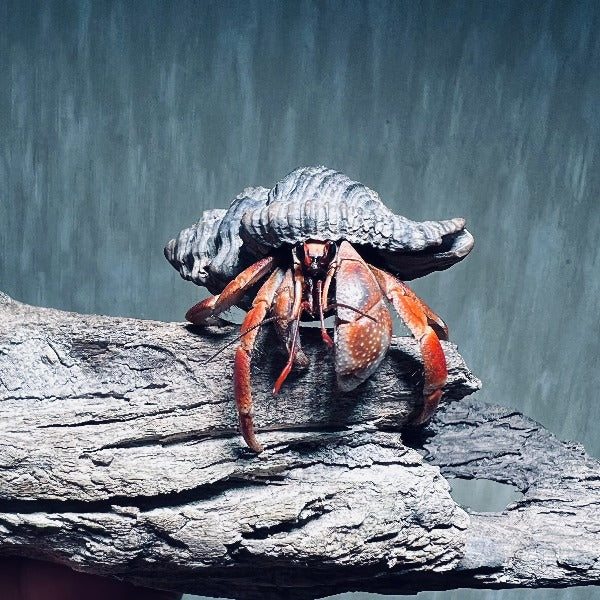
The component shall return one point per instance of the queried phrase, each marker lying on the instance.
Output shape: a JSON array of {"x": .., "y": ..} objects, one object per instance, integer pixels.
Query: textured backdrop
[{"x": 121, "y": 121}]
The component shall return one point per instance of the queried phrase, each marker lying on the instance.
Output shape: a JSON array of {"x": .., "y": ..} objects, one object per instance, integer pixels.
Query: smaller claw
[{"x": 322, "y": 292}]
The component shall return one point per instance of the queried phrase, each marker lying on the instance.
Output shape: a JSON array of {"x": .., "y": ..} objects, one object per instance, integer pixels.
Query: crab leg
[
  {"x": 417, "y": 317},
  {"x": 243, "y": 356},
  {"x": 436, "y": 322},
  {"x": 293, "y": 322},
  {"x": 287, "y": 326},
  {"x": 360, "y": 342},
  {"x": 234, "y": 290},
  {"x": 322, "y": 292}
]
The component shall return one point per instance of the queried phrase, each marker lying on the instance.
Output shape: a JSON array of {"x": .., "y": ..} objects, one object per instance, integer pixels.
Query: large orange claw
[{"x": 360, "y": 342}]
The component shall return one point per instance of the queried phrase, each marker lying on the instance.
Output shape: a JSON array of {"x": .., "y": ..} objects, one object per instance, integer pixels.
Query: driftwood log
[{"x": 119, "y": 455}]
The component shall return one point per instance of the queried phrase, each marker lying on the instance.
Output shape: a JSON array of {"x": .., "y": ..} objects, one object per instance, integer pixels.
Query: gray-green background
[{"x": 121, "y": 121}]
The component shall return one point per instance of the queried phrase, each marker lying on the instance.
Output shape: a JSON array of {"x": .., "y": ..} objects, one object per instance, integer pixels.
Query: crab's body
[{"x": 323, "y": 244}]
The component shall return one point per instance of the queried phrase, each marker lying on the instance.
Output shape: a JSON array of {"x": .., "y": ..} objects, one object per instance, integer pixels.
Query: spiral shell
[
  {"x": 211, "y": 252},
  {"x": 320, "y": 204},
  {"x": 191, "y": 252}
]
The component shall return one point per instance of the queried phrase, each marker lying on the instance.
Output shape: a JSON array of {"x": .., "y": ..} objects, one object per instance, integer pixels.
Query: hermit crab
[{"x": 319, "y": 244}]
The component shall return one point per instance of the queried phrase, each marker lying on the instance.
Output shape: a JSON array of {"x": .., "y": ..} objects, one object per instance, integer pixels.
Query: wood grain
[{"x": 119, "y": 455}]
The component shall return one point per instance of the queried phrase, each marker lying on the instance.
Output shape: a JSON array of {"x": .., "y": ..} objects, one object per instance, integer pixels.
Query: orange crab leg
[
  {"x": 281, "y": 310},
  {"x": 294, "y": 323},
  {"x": 291, "y": 359},
  {"x": 323, "y": 295},
  {"x": 360, "y": 342},
  {"x": 322, "y": 307},
  {"x": 233, "y": 292},
  {"x": 243, "y": 357},
  {"x": 417, "y": 319},
  {"x": 436, "y": 322}
]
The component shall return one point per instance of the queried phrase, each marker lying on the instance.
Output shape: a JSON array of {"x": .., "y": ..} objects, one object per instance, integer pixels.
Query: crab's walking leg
[
  {"x": 232, "y": 293},
  {"x": 293, "y": 323},
  {"x": 287, "y": 327},
  {"x": 243, "y": 357},
  {"x": 323, "y": 296},
  {"x": 435, "y": 321},
  {"x": 361, "y": 338},
  {"x": 417, "y": 319}
]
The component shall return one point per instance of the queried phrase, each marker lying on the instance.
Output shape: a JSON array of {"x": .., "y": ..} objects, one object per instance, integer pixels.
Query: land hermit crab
[{"x": 320, "y": 244}]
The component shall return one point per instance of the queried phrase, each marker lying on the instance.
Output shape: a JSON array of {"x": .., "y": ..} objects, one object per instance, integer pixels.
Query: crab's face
[{"x": 315, "y": 257}]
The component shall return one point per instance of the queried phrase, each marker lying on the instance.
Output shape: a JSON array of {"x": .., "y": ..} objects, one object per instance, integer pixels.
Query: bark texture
[{"x": 119, "y": 454}]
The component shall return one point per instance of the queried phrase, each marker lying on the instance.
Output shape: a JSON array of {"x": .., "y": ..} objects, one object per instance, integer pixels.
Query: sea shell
[
  {"x": 211, "y": 253},
  {"x": 320, "y": 204}
]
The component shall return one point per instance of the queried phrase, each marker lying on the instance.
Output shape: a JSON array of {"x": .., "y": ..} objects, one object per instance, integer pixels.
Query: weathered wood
[{"x": 119, "y": 455}]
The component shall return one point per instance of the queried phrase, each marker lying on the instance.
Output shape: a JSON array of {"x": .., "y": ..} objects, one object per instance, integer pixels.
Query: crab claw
[{"x": 360, "y": 342}]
